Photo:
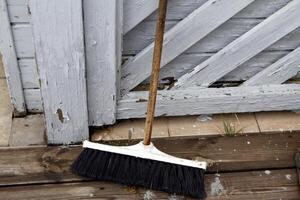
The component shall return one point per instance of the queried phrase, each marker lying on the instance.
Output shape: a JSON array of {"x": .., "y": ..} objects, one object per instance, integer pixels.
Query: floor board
[
  {"x": 273, "y": 184},
  {"x": 35, "y": 165}
]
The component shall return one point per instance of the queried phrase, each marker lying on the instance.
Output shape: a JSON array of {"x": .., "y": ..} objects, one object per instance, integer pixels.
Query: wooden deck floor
[{"x": 257, "y": 166}]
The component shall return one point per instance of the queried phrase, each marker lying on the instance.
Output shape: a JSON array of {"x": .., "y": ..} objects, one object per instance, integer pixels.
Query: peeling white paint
[
  {"x": 267, "y": 172},
  {"x": 149, "y": 195},
  {"x": 216, "y": 188},
  {"x": 204, "y": 118},
  {"x": 288, "y": 177}
]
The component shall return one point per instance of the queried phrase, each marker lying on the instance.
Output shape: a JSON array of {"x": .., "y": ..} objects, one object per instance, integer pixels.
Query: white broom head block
[{"x": 145, "y": 151}]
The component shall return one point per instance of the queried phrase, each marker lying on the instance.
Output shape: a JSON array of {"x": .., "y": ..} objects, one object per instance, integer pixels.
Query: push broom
[{"x": 143, "y": 164}]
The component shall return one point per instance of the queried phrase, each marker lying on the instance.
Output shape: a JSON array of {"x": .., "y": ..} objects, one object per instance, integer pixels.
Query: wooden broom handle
[{"x": 159, "y": 37}]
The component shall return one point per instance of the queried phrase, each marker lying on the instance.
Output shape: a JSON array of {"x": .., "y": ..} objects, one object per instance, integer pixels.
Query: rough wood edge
[
  {"x": 10, "y": 62},
  {"x": 197, "y": 101}
]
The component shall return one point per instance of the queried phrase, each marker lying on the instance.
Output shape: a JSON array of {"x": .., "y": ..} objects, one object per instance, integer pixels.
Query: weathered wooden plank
[
  {"x": 33, "y": 100},
  {"x": 34, "y": 165},
  {"x": 279, "y": 184},
  {"x": 143, "y": 35},
  {"x": 18, "y": 11},
  {"x": 185, "y": 63},
  {"x": 279, "y": 72},
  {"x": 60, "y": 58},
  {"x": 29, "y": 73},
  {"x": 244, "y": 48},
  {"x": 23, "y": 36},
  {"x": 188, "y": 32},
  {"x": 9, "y": 58},
  {"x": 136, "y": 11},
  {"x": 196, "y": 101},
  {"x": 178, "y": 9},
  {"x": 103, "y": 33}
]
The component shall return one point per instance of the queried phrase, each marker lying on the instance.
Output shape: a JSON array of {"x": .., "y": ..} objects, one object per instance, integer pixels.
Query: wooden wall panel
[
  {"x": 61, "y": 63},
  {"x": 10, "y": 62}
]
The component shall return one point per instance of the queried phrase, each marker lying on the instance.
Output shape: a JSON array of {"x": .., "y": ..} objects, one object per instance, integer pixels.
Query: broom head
[{"x": 141, "y": 165}]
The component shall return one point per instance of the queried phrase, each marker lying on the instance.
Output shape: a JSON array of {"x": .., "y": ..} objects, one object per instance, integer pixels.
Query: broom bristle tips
[{"x": 129, "y": 170}]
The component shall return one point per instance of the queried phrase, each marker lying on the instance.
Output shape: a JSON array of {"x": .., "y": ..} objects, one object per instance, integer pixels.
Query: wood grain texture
[
  {"x": 188, "y": 32},
  {"x": 36, "y": 165},
  {"x": 136, "y": 11},
  {"x": 279, "y": 72},
  {"x": 197, "y": 101},
  {"x": 60, "y": 58},
  {"x": 103, "y": 41},
  {"x": 255, "y": 185},
  {"x": 9, "y": 59},
  {"x": 244, "y": 48},
  {"x": 178, "y": 9}
]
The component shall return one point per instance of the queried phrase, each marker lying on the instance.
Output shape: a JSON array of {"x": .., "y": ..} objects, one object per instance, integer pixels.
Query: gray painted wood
[
  {"x": 24, "y": 40},
  {"x": 30, "y": 77},
  {"x": 33, "y": 100},
  {"x": 11, "y": 66},
  {"x": 279, "y": 72},
  {"x": 61, "y": 63},
  {"x": 188, "y": 32},
  {"x": 103, "y": 38},
  {"x": 244, "y": 48},
  {"x": 186, "y": 62},
  {"x": 195, "y": 101},
  {"x": 136, "y": 11},
  {"x": 18, "y": 11},
  {"x": 177, "y": 9},
  {"x": 143, "y": 35}
]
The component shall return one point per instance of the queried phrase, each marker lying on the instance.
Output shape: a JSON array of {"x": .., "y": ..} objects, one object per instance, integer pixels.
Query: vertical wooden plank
[
  {"x": 10, "y": 62},
  {"x": 136, "y": 11},
  {"x": 59, "y": 43},
  {"x": 103, "y": 38}
]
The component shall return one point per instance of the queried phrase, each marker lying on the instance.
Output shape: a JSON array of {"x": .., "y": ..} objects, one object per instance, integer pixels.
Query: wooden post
[
  {"x": 59, "y": 42},
  {"x": 103, "y": 42},
  {"x": 10, "y": 62}
]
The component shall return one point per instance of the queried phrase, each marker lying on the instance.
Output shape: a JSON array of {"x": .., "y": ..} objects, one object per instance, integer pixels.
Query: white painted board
[
  {"x": 279, "y": 72},
  {"x": 103, "y": 39},
  {"x": 245, "y": 47},
  {"x": 188, "y": 32},
  {"x": 59, "y": 43},
  {"x": 195, "y": 101},
  {"x": 11, "y": 66}
]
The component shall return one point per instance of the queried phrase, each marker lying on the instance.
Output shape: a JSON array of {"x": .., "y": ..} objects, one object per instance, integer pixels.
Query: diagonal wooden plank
[
  {"x": 136, "y": 11},
  {"x": 245, "y": 47},
  {"x": 103, "y": 33},
  {"x": 10, "y": 62},
  {"x": 61, "y": 63},
  {"x": 279, "y": 72},
  {"x": 182, "y": 36},
  {"x": 194, "y": 101}
]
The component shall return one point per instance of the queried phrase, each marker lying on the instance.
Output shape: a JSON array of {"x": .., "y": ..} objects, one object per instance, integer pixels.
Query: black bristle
[{"x": 130, "y": 170}]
